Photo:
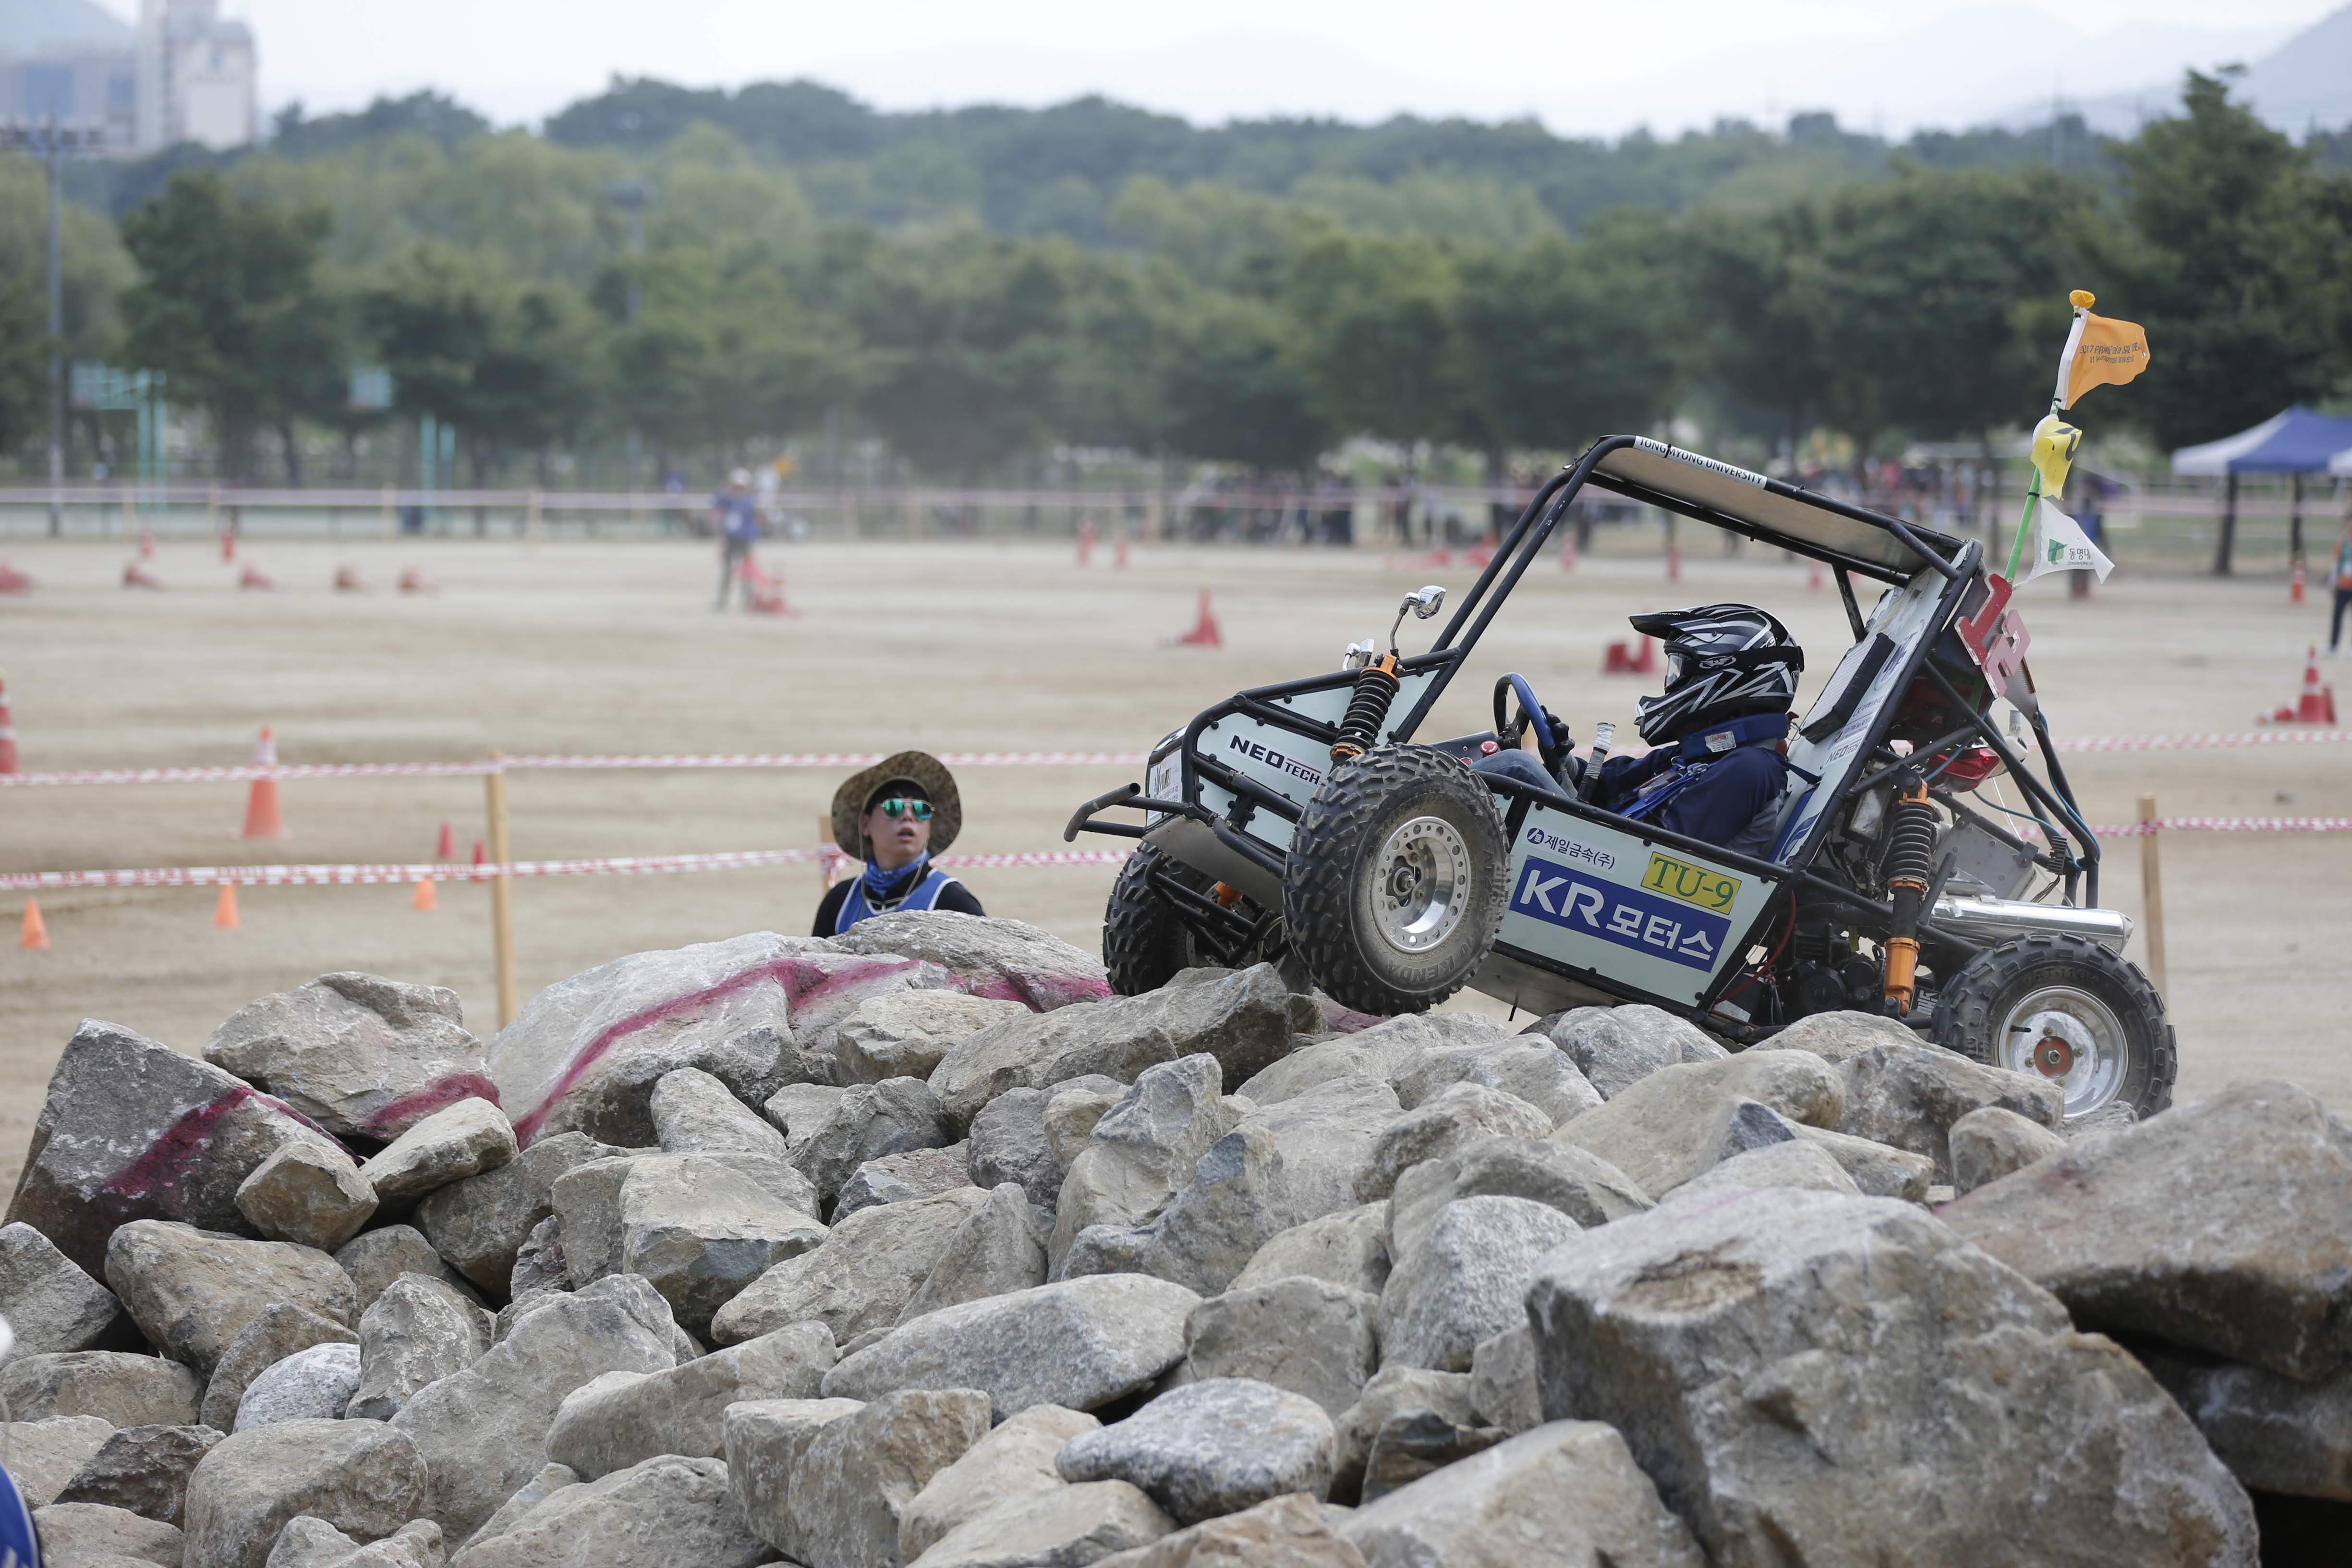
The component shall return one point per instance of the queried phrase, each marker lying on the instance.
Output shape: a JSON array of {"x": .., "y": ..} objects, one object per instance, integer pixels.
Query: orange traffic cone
[
  {"x": 347, "y": 581},
  {"x": 228, "y": 542},
  {"x": 262, "y": 819},
  {"x": 1205, "y": 632},
  {"x": 7, "y": 732},
  {"x": 36, "y": 931},
  {"x": 445, "y": 848},
  {"x": 1085, "y": 541},
  {"x": 13, "y": 581},
  {"x": 426, "y": 901},
  {"x": 2314, "y": 704},
  {"x": 1816, "y": 579},
  {"x": 479, "y": 857},
  {"x": 2294, "y": 584},
  {"x": 224, "y": 907},
  {"x": 136, "y": 576},
  {"x": 255, "y": 577}
]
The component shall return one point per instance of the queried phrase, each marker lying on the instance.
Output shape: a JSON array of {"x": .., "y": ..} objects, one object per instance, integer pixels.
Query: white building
[
  {"x": 199, "y": 77},
  {"x": 69, "y": 60}
]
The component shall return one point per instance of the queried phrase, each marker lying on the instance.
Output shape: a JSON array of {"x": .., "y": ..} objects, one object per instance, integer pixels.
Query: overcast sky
[{"x": 1580, "y": 68}]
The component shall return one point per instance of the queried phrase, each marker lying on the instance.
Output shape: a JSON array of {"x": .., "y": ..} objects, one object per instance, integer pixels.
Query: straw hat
[{"x": 911, "y": 767}]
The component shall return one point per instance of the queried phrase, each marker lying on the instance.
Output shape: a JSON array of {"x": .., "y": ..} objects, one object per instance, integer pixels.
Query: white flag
[{"x": 2061, "y": 545}]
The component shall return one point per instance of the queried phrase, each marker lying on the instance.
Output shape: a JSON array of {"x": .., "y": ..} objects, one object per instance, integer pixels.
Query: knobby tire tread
[{"x": 1965, "y": 1018}]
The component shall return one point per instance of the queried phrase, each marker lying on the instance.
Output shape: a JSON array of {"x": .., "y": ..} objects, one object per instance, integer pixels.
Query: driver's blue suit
[{"x": 1721, "y": 784}]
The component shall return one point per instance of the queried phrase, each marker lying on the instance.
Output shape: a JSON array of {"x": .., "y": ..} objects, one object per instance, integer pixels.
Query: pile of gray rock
[{"x": 918, "y": 1247}]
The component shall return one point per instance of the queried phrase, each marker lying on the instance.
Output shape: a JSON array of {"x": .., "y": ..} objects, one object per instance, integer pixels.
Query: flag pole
[{"x": 2082, "y": 299}]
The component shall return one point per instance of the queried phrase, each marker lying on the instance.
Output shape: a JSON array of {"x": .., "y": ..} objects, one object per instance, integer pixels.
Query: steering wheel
[{"x": 1530, "y": 716}]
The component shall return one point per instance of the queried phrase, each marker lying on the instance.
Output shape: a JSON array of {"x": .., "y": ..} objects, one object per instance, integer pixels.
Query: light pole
[{"x": 52, "y": 142}]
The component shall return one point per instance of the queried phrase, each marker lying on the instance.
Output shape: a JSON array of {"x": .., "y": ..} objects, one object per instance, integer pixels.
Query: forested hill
[{"x": 1060, "y": 170}]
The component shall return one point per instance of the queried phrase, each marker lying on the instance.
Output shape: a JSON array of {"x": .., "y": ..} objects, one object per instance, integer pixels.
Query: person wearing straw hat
[{"x": 893, "y": 817}]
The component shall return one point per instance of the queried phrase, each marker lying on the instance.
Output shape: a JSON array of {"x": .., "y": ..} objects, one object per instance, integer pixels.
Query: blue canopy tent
[{"x": 2295, "y": 443}]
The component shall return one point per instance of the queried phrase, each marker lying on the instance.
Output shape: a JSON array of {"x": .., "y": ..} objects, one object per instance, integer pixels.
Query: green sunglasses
[{"x": 895, "y": 808}]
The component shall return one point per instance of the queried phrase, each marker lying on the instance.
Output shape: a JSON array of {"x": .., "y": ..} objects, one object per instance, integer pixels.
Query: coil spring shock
[
  {"x": 1910, "y": 862},
  {"x": 1376, "y": 686}
]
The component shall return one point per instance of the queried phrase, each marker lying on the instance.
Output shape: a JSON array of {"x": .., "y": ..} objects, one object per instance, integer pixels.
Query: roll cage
[{"x": 1210, "y": 810}]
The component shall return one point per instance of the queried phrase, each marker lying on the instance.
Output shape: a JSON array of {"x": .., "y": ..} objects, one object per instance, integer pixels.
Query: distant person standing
[
  {"x": 736, "y": 518},
  {"x": 2342, "y": 580},
  {"x": 892, "y": 817}
]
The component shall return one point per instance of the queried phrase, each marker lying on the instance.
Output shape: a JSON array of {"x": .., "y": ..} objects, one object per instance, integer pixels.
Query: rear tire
[
  {"x": 2068, "y": 1009},
  {"x": 1397, "y": 877},
  {"x": 1147, "y": 942}
]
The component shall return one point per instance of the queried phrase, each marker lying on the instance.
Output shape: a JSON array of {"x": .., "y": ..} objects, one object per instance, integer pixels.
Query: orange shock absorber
[
  {"x": 1910, "y": 861},
  {"x": 1377, "y": 685}
]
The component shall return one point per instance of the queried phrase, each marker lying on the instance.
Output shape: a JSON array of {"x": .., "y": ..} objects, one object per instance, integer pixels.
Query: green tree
[
  {"x": 1758, "y": 290},
  {"x": 1234, "y": 389},
  {"x": 1375, "y": 335},
  {"x": 229, "y": 306}
]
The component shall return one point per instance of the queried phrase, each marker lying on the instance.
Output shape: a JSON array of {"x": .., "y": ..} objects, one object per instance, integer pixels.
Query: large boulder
[
  {"x": 1796, "y": 1162},
  {"x": 2219, "y": 1226},
  {"x": 755, "y": 1012},
  {"x": 1080, "y": 1344},
  {"x": 1455, "y": 1115},
  {"x": 905, "y": 1033},
  {"x": 374, "y": 1259},
  {"x": 1989, "y": 1143},
  {"x": 1529, "y": 1068},
  {"x": 131, "y": 1129},
  {"x": 461, "y": 1140},
  {"x": 1330, "y": 1137},
  {"x": 1015, "y": 1459},
  {"x": 308, "y": 1194},
  {"x": 1243, "y": 1019},
  {"x": 2275, "y": 1433},
  {"x": 142, "y": 1468},
  {"x": 831, "y": 1496},
  {"x": 1909, "y": 1095},
  {"x": 357, "y": 1053},
  {"x": 1007, "y": 1142},
  {"x": 1386, "y": 1051},
  {"x": 1618, "y": 1047},
  {"x": 418, "y": 1331},
  {"x": 866, "y": 1122},
  {"x": 1667, "y": 1126},
  {"x": 1838, "y": 1036},
  {"x": 315, "y": 1384},
  {"x": 990, "y": 957},
  {"x": 484, "y": 1430},
  {"x": 308, "y": 1541},
  {"x": 1069, "y": 1524},
  {"x": 623, "y": 1417},
  {"x": 361, "y": 1476},
  {"x": 280, "y": 1329},
  {"x": 1210, "y": 1448},
  {"x": 1287, "y": 1531},
  {"x": 121, "y": 1388},
  {"x": 1306, "y": 1335},
  {"x": 1208, "y": 1231},
  {"x": 46, "y": 1454},
  {"x": 859, "y": 1277},
  {"x": 75, "y": 1533},
  {"x": 1578, "y": 1184},
  {"x": 1142, "y": 1149},
  {"x": 1811, "y": 1377},
  {"x": 1564, "y": 1495},
  {"x": 694, "y": 1114},
  {"x": 700, "y": 1227},
  {"x": 1350, "y": 1248},
  {"x": 999, "y": 1247},
  {"x": 903, "y": 1177},
  {"x": 192, "y": 1293},
  {"x": 548, "y": 1481},
  {"x": 477, "y": 1226},
  {"x": 667, "y": 1511},
  {"x": 1466, "y": 1278},
  {"x": 50, "y": 1301}
]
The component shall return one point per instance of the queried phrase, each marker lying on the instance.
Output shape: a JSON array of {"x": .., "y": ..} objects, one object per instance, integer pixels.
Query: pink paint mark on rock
[
  {"x": 400, "y": 1114},
  {"x": 1346, "y": 1020},
  {"x": 172, "y": 1155},
  {"x": 804, "y": 981},
  {"x": 1041, "y": 993}
]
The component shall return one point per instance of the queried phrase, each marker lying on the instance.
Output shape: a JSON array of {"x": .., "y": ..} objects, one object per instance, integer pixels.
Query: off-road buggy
[{"x": 1303, "y": 823}]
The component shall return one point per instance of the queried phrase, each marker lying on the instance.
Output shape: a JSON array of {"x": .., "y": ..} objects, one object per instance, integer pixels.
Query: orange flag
[{"x": 2100, "y": 352}]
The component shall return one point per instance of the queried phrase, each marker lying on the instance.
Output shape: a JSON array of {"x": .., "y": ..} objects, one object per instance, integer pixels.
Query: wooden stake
[
  {"x": 502, "y": 893},
  {"x": 2151, "y": 891}
]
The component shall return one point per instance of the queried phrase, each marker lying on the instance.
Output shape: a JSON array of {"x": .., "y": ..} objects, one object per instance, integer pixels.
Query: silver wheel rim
[
  {"x": 1421, "y": 884},
  {"x": 2069, "y": 1037}
]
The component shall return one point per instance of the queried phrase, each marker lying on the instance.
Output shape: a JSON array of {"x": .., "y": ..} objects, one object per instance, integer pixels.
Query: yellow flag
[{"x": 2100, "y": 352}]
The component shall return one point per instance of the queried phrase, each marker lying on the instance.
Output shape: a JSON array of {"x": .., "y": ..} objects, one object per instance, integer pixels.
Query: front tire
[
  {"x": 2069, "y": 1010},
  {"x": 1147, "y": 941},
  {"x": 1397, "y": 877}
]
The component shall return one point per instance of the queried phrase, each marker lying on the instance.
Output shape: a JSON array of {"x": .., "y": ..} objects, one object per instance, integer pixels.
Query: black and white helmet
[{"x": 1723, "y": 661}]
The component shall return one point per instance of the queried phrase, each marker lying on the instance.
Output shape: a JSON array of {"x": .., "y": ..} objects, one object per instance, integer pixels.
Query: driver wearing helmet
[{"x": 1716, "y": 772}]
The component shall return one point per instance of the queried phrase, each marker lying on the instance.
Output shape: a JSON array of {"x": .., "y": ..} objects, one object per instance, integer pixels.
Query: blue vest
[{"x": 923, "y": 895}]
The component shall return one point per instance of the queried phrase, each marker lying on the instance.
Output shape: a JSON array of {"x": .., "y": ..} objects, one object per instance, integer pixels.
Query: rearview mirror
[{"x": 1423, "y": 602}]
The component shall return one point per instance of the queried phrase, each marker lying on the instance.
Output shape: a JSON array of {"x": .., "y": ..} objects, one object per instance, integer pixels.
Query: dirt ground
[{"x": 612, "y": 647}]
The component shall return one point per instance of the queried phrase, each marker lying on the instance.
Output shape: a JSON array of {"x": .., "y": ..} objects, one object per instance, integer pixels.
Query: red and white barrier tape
[
  {"x": 443, "y": 871},
  {"x": 745, "y": 859},
  {"x": 2282, "y": 737},
  {"x": 547, "y": 764}
]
